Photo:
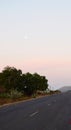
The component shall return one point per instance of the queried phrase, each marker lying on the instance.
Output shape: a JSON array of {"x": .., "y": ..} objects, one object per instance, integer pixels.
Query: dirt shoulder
[{"x": 8, "y": 101}]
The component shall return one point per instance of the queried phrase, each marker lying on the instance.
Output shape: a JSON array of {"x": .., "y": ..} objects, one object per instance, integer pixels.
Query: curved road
[{"x": 46, "y": 113}]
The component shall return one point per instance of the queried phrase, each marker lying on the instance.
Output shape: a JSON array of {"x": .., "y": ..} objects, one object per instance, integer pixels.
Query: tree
[
  {"x": 11, "y": 77},
  {"x": 41, "y": 83},
  {"x": 29, "y": 87},
  {"x": 33, "y": 82}
]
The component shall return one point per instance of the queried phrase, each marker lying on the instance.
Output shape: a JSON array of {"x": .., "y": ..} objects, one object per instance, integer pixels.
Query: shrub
[
  {"x": 4, "y": 95},
  {"x": 15, "y": 94}
]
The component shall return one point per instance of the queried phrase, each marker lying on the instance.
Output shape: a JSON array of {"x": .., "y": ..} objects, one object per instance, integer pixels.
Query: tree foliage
[{"x": 11, "y": 79}]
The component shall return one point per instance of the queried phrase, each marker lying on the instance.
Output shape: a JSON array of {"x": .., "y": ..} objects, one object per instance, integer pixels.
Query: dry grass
[
  {"x": 23, "y": 98},
  {"x": 8, "y": 100}
]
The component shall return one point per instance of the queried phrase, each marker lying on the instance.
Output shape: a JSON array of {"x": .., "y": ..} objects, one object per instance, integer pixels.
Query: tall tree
[{"x": 10, "y": 77}]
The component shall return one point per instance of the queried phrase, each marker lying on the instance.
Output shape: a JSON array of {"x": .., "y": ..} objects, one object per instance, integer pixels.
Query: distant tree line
[{"x": 13, "y": 79}]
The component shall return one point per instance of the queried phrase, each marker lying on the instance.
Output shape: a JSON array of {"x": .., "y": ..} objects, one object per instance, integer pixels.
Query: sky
[{"x": 35, "y": 36}]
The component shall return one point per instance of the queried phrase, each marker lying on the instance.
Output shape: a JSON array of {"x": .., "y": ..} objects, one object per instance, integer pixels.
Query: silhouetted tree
[{"x": 11, "y": 78}]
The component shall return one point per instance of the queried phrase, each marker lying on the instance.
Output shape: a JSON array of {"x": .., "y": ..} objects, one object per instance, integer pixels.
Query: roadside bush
[
  {"x": 4, "y": 95},
  {"x": 15, "y": 94}
]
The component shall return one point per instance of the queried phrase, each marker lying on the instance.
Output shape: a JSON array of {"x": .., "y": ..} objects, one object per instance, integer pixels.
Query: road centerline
[{"x": 33, "y": 114}]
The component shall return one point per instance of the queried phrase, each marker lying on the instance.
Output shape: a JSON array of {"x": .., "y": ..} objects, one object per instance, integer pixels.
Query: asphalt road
[{"x": 47, "y": 113}]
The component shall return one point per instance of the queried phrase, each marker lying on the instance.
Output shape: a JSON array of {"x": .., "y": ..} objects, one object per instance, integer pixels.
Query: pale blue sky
[{"x": 35, "y": 36}]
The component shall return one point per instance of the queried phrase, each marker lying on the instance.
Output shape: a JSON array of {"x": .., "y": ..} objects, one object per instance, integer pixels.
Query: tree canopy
[{"x": 12, "y": 78}]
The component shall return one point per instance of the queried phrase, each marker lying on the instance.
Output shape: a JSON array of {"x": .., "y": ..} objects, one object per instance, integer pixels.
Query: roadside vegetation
[{"x": 14, "y": 85}]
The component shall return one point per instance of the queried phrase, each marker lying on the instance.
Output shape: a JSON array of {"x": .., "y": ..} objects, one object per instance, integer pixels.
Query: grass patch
[{"x": 15, "y": 96}]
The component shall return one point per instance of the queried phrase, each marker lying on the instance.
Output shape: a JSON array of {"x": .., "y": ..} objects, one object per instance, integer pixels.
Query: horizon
[{"x": 36, "y": 37}]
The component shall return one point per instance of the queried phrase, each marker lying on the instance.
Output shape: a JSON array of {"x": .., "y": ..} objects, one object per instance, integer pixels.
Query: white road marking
[{"x": 33, "y": 114}]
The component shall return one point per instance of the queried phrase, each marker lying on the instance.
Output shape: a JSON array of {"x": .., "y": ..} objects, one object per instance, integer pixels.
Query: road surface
[{"x": 46, "y": 113}]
